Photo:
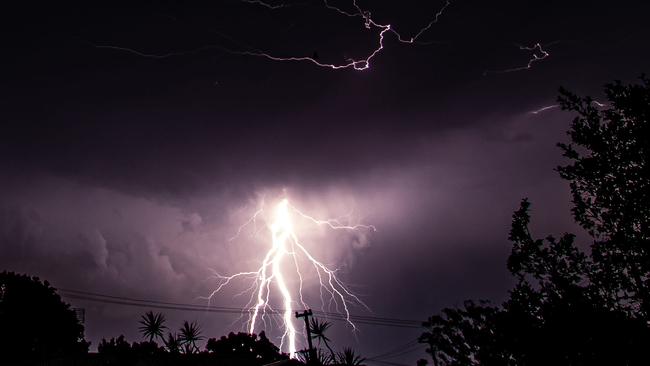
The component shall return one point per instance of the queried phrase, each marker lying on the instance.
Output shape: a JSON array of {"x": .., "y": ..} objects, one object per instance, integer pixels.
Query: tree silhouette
[
  {"x": 318, "y": 329},
  {"x": 349, "y": 358},
  {"x": 322, "y": 358},
  {"x": 609, "y": 176},
  {"x": 173, "y": 343},
  {"x": 153, "y": 325},
  {"x": 459, "y": 336},
  {"x": 117, "y": 347},
  {"x": 34, "y": 322},
  {"x": 569, "y": 306},
  {"x": 117, "y": 351},
  {"x": 245, "y": 347},
  {"x": 189, "y": 334}
]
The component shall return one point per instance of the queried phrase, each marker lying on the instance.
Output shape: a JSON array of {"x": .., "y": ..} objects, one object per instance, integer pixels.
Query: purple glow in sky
[{"x": 128, "y": 175}]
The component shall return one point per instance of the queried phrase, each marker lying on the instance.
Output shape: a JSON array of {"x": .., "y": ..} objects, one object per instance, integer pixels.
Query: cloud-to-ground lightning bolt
[
  {"x": 281, "y": 264},
  {"x": 358, "y": 64}
]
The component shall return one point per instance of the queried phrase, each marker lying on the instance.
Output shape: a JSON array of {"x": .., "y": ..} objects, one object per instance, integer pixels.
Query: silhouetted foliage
[
  {"x": 147, "y": 349},
  {"x": 321, "y": 358},
  {"x": 459, "y": 336},
  {"x": 349, "y": 358},
  {"x": 571, "y": 307},
  {"x": 153, "y": 325},
  {"x": 117, "y": 351},
  {"x": 173, "y": 343},
  {"x": 189, "y": 334},
  {"x": 245, "y": 347},
  {"x": 35, "y": 322},
  {"x": 609, "y": 176},
  {"x": 318, "y": 329},
  {"x": 114, "y": 347},
  {"x": 237, "y": 349}
]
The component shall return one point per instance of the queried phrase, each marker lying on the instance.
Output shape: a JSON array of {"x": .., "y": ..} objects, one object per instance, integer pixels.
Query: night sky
[{"x": 136, "y": 140}]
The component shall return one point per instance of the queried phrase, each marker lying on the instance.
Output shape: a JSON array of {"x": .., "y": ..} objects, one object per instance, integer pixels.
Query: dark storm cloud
[{"x": 442, "y": 217}]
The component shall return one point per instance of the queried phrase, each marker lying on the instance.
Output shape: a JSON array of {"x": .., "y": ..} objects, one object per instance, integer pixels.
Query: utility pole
[{"x": 312, "y": 354}]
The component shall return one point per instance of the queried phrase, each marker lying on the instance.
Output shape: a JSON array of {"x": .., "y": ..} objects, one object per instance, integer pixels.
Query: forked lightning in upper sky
[{"x": 537, "y": 50}]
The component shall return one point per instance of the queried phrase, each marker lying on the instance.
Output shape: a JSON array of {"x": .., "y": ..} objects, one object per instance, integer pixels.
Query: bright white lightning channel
[
  {"x": 358, "y": 64},
  {"x": 273, "y": 274}
]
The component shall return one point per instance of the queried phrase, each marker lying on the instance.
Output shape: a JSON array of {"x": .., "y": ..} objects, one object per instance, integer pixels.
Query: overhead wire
[{"x": 128, "y": 301}]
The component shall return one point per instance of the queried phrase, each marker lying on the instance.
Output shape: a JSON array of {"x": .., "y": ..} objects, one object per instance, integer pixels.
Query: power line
[
  {"x": 404, "y": 352},
  {"x": 215, "y": 310},
  {"x": 127, "y": 301},
  {"x": 395, "y": 350},
  {"x": 322, "y": 313},
  {"x": 409, "y": 347},
  {"x": 95, "y": 294},
  {"x": 147, "y": 305}
]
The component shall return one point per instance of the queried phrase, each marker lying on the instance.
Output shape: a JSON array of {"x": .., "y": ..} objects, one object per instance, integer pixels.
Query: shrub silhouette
[
  {"x": 245, "y": 347},
  {"x": 34, "y": 322}
]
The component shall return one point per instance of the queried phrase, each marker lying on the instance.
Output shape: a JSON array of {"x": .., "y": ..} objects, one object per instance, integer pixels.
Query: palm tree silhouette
[
  {"x": 349, "y": 358},
  {"x": 190, "y": 333},
  {"x": 172, "y": 343},
  {"x": 322, "y": 358},
  {"x": 318, "y": 329},
  {"x": 153, "y": 325}
]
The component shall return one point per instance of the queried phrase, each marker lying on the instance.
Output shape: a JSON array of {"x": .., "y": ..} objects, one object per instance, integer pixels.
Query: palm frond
[{"x": 153, "y": 325}]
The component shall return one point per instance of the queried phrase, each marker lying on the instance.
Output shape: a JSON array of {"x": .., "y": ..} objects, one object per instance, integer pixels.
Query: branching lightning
[
  {"x": 369, "y": 23},
  {"x": 358, "y": 64},
  {"x": 265, "y": 4},
  {"x": 553, "y": 106},
  {"x": 538, "y": 53},
  {"x": 544, "y": 109},
  {"x": 281, "y": 267}
]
